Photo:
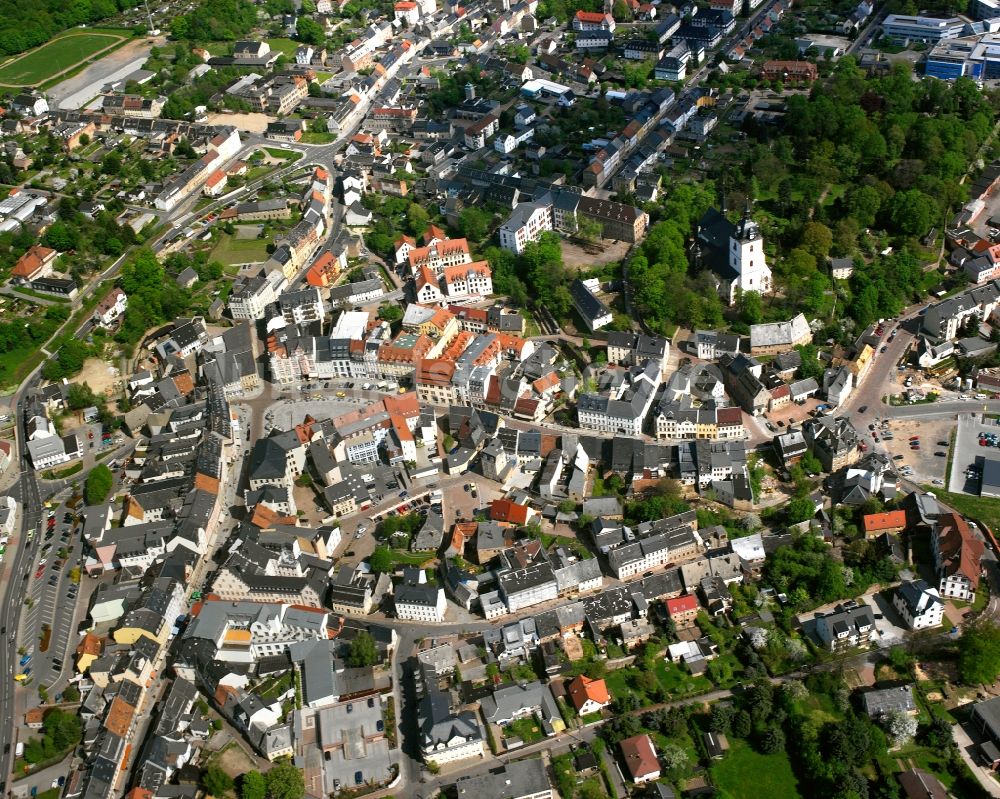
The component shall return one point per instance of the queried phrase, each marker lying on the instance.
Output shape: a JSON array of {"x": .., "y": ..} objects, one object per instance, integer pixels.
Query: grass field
[
  {"x": 18, "y": 364},
  {"x": 745, "y": 774},
  {"x": 284, "y": 46},
  {"x": 231, "y": 250},
  {"x": 285, "y": 155},
  {"x": 53, "y": 57},
  {"x": 318, "y": 137}
]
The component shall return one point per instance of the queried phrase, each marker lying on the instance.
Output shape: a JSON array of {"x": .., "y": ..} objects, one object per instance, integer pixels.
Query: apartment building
[
  {"x": 251, "y": 296},
  {"x": 958, "y": 551},
  {"x": 525, "y": 225}
]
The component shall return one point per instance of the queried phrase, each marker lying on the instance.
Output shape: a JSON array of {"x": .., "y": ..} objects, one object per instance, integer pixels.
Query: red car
[{"x": 39, "y": 573}]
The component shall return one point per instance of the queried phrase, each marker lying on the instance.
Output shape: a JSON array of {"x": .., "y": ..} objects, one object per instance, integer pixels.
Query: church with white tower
[{"x": 734, "y": 252}]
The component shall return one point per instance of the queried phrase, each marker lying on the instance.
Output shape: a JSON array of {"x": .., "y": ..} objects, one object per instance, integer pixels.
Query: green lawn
[
  {"x": 273, "y": 688},
  {"x": 53, "y": 57},
  {"x": 231, "y": 250},
  {"x": 528, "y": 730},
  {"x": 318, "y": 137},
  {"x": 284, "y": 46},
  {"x": 401, "y": 557},
  {"x": 678, "y": 680},
  {"x": 284, "y": 155},
  {"x": 18, "y": 364},
  {"x": 743, "y": 773}
]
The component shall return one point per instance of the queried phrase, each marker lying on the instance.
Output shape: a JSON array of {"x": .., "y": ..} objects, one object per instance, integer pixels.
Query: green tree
[
  {"x": 912, "y": 212},
  {"x": 98, "y": 484},
  {"x": 381, "y": 560},
  {"x": 215, "y": 781},
  {"x": 751, "y": 307},
  {"x": 253, "y": 786},
  {"x": 589, "y": 229},
  {"x": 111, "y": 164},
  {"x": 310, "y": 31},
  {"x": 70, "y": 693},
  {"x": 363, "y": 652},
  {"x": 474, "y": 223},
  {"x": 979, "y": 653},
  {"x": 417, "y": 219},
  {"x": 285, "y": 781},
  {"x": 817, "y": 239},
  {"x": 80, "y": 395}
]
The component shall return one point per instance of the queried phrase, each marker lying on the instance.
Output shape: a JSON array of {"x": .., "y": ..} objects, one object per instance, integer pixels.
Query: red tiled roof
[
  {"x": 875, "y": 522},
  {"x": 682, "y": 604},
  {"x": 503, "y": 510},
  {"x": 33, "y": 260},
  {"x": 583, "y": 688},
  {"x": 640, "y": 757}
]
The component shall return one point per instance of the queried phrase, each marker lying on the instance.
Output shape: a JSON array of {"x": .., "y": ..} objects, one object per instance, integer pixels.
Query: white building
[
  {"x": 251, "y": 296},
  {"x": 526, "y": 224},
  {"x": 111, "y": 308},
  {"x": 468, "y": 280},
  {"x": 420, "y": 602},
  {"x": 919, "y": 605},
  {"x": 622, "y": 409}
]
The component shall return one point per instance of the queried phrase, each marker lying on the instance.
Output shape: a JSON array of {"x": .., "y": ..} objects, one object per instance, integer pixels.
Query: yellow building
[{"x": 87, "y": 652}]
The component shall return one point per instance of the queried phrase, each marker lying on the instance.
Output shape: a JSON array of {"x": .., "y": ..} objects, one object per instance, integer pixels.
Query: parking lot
[
  {"x": 927, "y": 466},
  {"x": 968, "y": 453},
  {"x": 53, "y": 596}
]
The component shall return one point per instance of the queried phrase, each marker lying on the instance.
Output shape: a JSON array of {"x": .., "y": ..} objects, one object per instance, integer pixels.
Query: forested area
[
  {"x": 859, "y": 163},
  {"x": 27, "y": 25},
  {"x": 154, "y": 298},
  {"x": 215, "y": 21}
]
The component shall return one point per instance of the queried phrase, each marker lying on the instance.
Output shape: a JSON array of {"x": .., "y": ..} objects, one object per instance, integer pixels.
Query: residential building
[
  {"x": 879, "y": 703},
  {"x": 876, "y": 524},
  {"x": 683, "y": 610},
  {"x": 846, "y": 627},
  {"x": 640, "y": 759},
  {"x": 585, "y": 21},
  {"x": 790, "y": 71},
  {"x": 595, "y": 314},
  {"x": 833, "y": 440},
  {"x": 446, "y": 736},
  {"x": 420, "y": 602},
  {"x": 525, "y": 225},
  {"x": 776, "y": 337},
  {"x": 957, "y": 554},
  {"x": 919, "y": 605},
  {"x": 621, "y": 409},
  {"x": 588, "y": 696}
]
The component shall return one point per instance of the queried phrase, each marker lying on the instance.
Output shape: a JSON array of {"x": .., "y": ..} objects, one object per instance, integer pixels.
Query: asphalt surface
[{"x": 26, "y": 492}]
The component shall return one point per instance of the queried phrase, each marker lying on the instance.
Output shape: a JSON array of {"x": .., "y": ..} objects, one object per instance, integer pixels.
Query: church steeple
[{"x": 747, "y": 229}]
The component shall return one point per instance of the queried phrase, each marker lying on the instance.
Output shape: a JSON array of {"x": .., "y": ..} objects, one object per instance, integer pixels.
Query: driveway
[
  {"x": 890, "y": 627},
  {"x": 967, "y": 747}
]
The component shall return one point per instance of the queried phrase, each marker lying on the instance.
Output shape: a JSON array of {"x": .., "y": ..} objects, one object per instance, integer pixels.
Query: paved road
[{"x": 13, "y": 702}]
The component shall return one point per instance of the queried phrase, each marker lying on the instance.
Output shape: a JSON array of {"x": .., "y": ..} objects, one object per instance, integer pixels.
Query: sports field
[{"x": 59, "y": 55}]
